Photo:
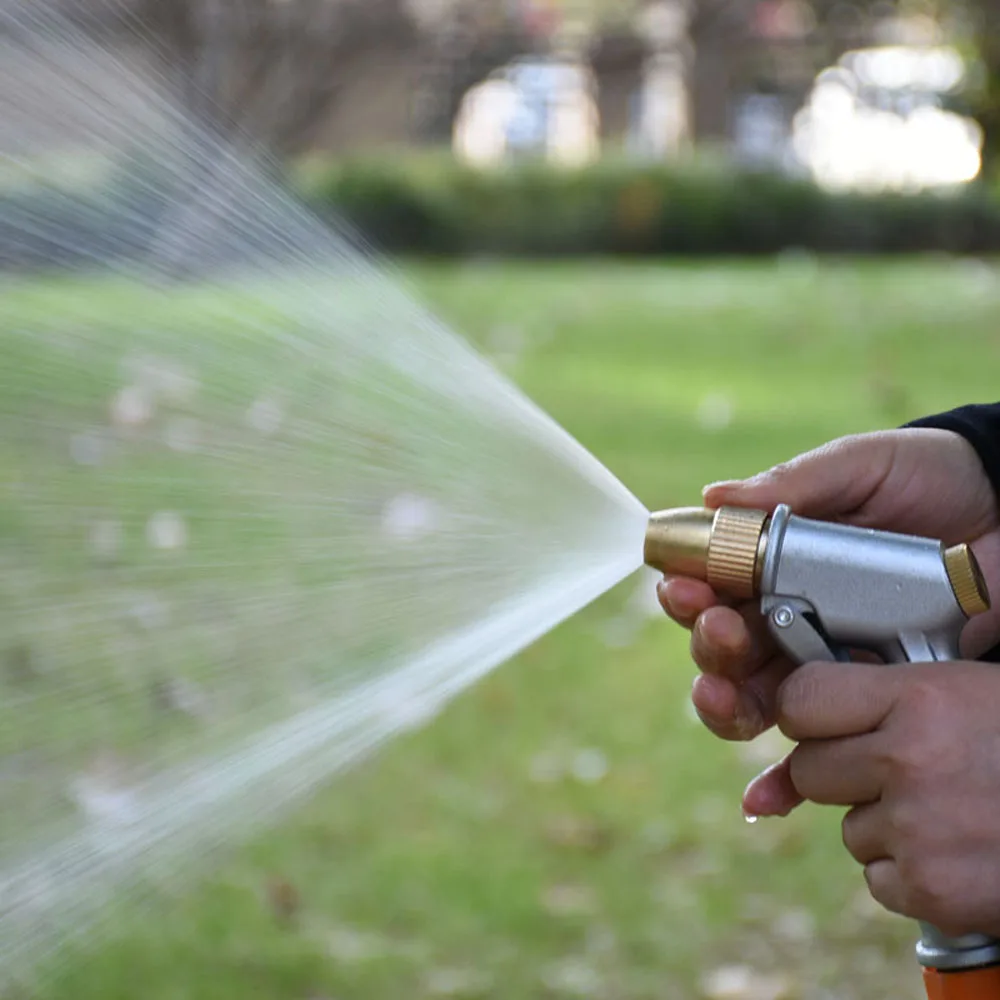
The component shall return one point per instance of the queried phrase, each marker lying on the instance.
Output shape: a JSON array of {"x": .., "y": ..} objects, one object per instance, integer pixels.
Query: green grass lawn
[{"x": 466, "y": 860}]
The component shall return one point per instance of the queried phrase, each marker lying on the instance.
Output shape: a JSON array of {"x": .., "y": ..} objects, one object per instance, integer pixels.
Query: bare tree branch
[{"x": 272, "y": 69}]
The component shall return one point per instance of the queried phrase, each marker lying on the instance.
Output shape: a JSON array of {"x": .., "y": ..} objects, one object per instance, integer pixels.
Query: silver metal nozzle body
[{"x": 827, "y": 588}]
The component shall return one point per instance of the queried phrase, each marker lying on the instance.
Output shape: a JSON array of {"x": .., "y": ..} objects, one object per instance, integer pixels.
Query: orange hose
[{"x": 977, "y": 984}]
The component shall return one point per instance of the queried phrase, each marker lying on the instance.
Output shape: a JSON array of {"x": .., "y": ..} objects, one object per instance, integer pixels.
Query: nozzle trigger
[{"x": 794, "y": 625}]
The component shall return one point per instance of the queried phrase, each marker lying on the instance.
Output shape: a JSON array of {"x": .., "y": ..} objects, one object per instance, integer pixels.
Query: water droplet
[
  {"x": 796, "y": 926},
  {"x": 645, "y": 602},
  {"x": 131, "y": 408},
  {"x": 619, "y": 632},
  {"x": 106, "y": 539},
  {"x": 103, "y": 796},
  {"x": 574, "y": 977},
  {"x": 351, "y": 946},
  {"x": 166, "y": 531},
  {"x": 175, "y": 385},
  {"x": 265, "y": 416},
  {"x": 569, "y": 901},
  {"x": 590, "y": 767},
  {"x": 87, "y": 448},
  {"x": 464, "y": 983},
  {"x": 750, "y": 819},
  {"x": 149, "y": 612},
  {"x": 715, "y": 412},
  {"x": 546, "y": 769},
  {"x": 181, "y": 434},
  {"x": 409, "y": 517}
]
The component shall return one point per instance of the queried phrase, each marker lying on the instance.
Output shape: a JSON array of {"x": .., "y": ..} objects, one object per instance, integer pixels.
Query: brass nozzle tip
[
  {"x": 677, "y": 541},
  {"x": 722, "y": 547}
]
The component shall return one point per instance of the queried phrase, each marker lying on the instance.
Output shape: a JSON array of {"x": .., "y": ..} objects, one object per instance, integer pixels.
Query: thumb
[{"x": 835, "y": 479}]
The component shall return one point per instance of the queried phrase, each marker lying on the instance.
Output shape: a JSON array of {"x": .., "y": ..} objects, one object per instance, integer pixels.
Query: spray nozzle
[{"x": 728, "y": 548}]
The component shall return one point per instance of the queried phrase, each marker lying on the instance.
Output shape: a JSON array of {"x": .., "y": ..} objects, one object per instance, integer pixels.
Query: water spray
[
  {"x": 261, "y": 511},
  {"x": 826, "y": 589}
]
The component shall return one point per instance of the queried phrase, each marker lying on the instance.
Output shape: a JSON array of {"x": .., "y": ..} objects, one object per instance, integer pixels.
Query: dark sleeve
[{"x": 980, "y": 426}]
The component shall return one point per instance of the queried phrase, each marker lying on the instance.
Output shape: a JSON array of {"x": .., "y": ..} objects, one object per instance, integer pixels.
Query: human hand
[
  {"x": 917, "y": 481},
  {"x": 915, "y": 753}
]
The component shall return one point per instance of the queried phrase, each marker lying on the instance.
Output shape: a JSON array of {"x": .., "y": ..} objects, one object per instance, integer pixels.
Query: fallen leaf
[
  {"x": 765, "y": 750},
  {"x": 797, "y": 926},
  {"x": 572, "y": 976},
  {"x": 546, "y": 768},
  {"x": 864, "y": 907},
  {"x": 714, "y": 811},
  {"x": 700, "y": 863},
  {"x": 569, "y": 900},
  {"x": 589, "y": 766},
  {"x": 741, "y": 982},
  {"x": 457, "y": 983},
  {"x": 578, "y": 833},
  {"x": 777, "y": 837},
  {"x": 600, "y": 940},
  {"x": 350, "y": 946},
  {"x": 19, "y": 664},
  {"x": 658, "y": 836},
  {"x": 283, "y": 899},
  {"x": 715, "y": 412}
]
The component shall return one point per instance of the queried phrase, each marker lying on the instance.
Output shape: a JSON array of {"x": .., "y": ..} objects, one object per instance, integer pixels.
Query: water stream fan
[{"x": 260, "y": 511}]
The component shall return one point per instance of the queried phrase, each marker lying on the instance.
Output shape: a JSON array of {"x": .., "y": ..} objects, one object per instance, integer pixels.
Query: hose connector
[{"x": 967, "y": 580}]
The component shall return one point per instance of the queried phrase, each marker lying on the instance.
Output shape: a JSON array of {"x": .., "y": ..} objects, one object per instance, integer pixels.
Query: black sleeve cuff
[{"x": 980, "y": 426}]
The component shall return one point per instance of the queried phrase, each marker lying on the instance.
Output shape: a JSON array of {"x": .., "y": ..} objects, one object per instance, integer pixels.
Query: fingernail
[
  {"x": 678, "y": 608},
  {"x": 728, "y": 484},
  {"x": 666, "y": 600},
  {"x": 747, "y": 729}
]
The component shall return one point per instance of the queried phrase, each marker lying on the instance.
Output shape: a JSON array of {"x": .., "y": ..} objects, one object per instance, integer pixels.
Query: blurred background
[
  {"x": 877, "y": 95},
  {"x": 448, "y": 126},
  {"x": 704, "y": 235}
]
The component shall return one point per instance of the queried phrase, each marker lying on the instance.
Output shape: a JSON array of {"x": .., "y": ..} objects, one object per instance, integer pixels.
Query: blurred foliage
[{"x": 423, "y": 206}]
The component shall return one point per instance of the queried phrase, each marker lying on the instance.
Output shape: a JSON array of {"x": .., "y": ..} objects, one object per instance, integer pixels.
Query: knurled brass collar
[
  {"x": 967, "y": 581},
  {"x": 732, "y": 552}
]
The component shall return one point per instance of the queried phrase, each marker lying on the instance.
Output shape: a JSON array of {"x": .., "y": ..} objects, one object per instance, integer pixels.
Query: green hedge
[{"x": 413, "y": 205}]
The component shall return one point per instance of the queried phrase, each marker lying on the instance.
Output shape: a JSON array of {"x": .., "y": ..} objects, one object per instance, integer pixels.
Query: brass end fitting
[{"x": 967, "y": 580}]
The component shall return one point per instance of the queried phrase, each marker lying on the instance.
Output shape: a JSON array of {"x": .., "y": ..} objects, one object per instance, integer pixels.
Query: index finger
[
  {"x": 684, "y": 598},
  {"x": 821, "y": 701}
]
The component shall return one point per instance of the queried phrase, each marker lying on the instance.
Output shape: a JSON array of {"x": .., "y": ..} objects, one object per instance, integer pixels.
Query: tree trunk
[
  {"x": 986, "y": 106},
  {"x": 712, "y": 94}
]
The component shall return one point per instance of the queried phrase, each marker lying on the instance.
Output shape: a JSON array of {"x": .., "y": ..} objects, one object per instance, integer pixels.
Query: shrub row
[
  {"x": 416, "y": 205},
  {"x": 442, "y": 208}
]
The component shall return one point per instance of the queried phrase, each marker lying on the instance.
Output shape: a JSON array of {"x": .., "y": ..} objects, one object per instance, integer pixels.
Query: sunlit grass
[{"x": 469, "y": 859}]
